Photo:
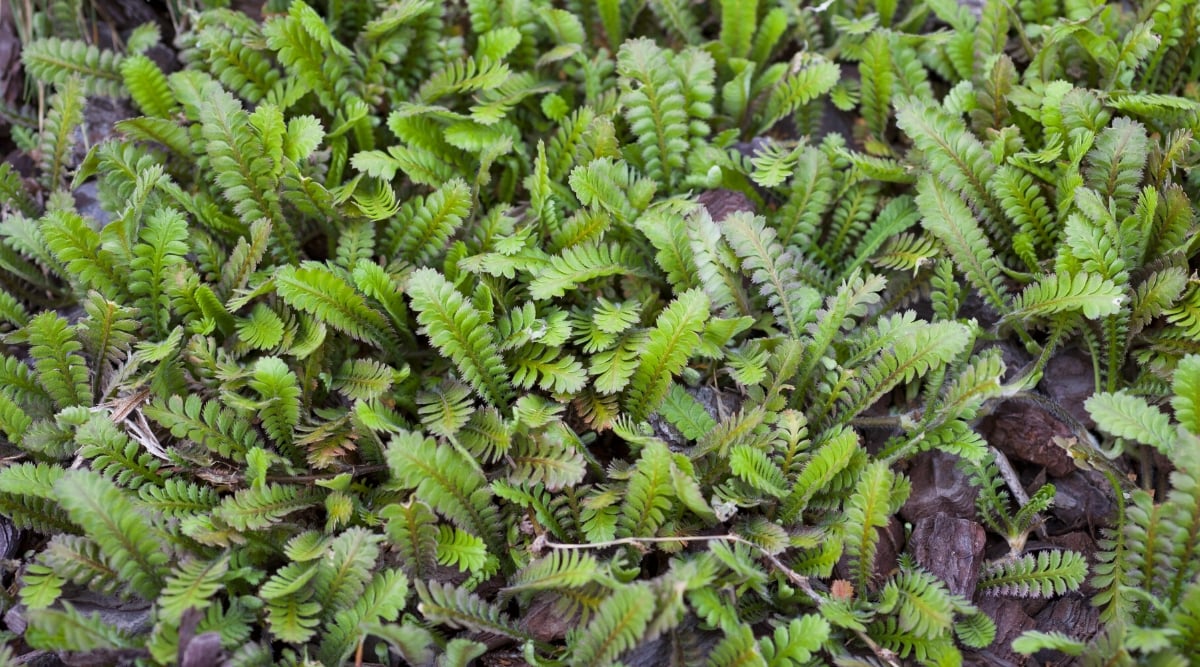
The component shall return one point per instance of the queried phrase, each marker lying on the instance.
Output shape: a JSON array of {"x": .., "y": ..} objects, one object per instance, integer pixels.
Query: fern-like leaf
[
  {"x": 551, "y": 457},
  {"x": 205, "y": 423},
  {"x": 191, "y": 585},
  {"x": 877, "y": 494},
  {"x": 68, "y": 629},
  {"x": 560, "y": 569},
  {"x": 257, "y": 508},
  {"x": 617, "y": 626},
  {"x": 666, "y": 351},
  {"x": 280, "y": 392},
  {"x": 756, "y": 469},
  {"x": 343, "y": 573},
  {"x": 814, "y": 77},
  {"x": 945, "y": 216},
  {"x": 448, "y": 482},
  {"x": 77, "y": 246},
  {"x": 425, "y": 224},
  {"x": 58, "y": 132},
  {"x": 654, "y": 106},
  {"x": 929, "y": 346},
  {"x": 60, "y": 368},
  {"x": 1045, "y": 574},
  {"x": 771, "y": 266},
  {"x": 306, "y": 46},
  {"x": 1032, "y": 641},
  {"x": 920, "y": 601},
  {"x": 162, "y": 248},
  {"x": 1087, "y": 293},
  {"x": 955, "y": 157},
  {"x": 148, "y": 86},
  {"x": 116, "y": 521},
  {"x": 458, "y": 548},
  {"x": 578, "y": 264},
  {"x": 54, "y": 60},
  {"x": 316, "y": 290},
  {"x": 411, "y": 529},
  {"x": 381, "y": 600},
  {"x": 1127, "y": 416},
  {"x": 796, "y": 643},
  {"x": 459, "y": 331},
  {"x": 1115, "y": 165},
  {"x": 458, "y": 608}
]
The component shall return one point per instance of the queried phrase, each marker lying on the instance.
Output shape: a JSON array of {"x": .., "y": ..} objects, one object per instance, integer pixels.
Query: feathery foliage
[{"x": 634, "y": 316}]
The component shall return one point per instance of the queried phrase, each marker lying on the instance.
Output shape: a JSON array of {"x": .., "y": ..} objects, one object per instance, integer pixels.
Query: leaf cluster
[{"x": 403, "y": 323}]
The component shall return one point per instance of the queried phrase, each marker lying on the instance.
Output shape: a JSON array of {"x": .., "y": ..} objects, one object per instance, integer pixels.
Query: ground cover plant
[{"x": 730, "y": 332}]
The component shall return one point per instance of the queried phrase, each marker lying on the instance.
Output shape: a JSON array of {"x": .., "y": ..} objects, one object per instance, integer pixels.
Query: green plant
[
  {"x": 407, "y": 318},
  {"x": 1148, "y": 569}
]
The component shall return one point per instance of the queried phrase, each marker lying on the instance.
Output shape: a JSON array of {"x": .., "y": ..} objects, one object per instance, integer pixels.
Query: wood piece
[
  {"x": 10, "y": 538},
  {"x": 11, "y": 81},
  {"x": 545, "y": 620},
  {"x": 1025, "y": 431},
  {"x": 938, "y": 487},
  {"x": 1011, "y": 620},
  {"x": 1072, "y": 615},
  {"x": 1068, "y": 381},
  {"x": 952, "y": 549},
  {"x": 721, "y": 203},
  {"x": 1082, "y": 500}
]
